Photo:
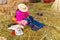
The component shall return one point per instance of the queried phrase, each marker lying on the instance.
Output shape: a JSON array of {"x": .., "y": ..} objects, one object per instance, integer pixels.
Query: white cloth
[{"x": 17, "y": 28}]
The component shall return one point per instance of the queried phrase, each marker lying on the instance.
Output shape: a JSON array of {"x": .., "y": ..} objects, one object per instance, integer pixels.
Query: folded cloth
[
  {"x": 17, "y": 29},
  {"x": 34, "y": 24}
]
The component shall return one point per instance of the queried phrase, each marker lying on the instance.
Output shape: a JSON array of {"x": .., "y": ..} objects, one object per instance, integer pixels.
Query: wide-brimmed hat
[{"x": 22, "y": 7}]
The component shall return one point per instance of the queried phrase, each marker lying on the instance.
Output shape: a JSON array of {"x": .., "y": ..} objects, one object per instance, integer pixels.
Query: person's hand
[
  {"x": 19, "y": 22},
  {"x": 23, "y": 22}
]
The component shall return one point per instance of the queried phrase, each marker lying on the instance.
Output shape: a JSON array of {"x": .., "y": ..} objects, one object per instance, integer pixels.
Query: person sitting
[{"x": 21, "y": 14}]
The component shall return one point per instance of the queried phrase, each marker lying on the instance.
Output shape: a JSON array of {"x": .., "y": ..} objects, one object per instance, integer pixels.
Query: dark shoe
[{"x": 39, "y": 14}]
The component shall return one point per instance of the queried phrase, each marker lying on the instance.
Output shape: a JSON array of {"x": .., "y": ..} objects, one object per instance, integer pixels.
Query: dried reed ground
[{"x": 49, "y": 32}]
